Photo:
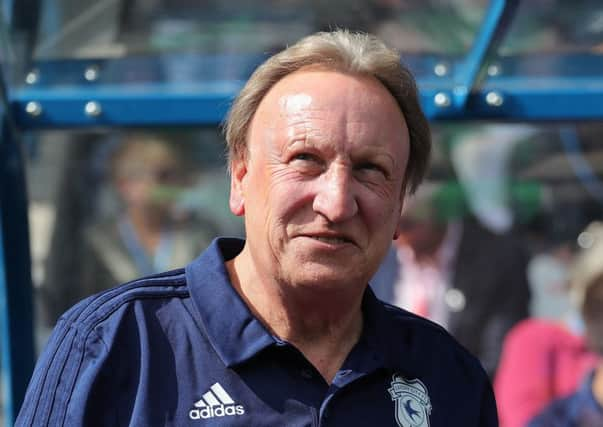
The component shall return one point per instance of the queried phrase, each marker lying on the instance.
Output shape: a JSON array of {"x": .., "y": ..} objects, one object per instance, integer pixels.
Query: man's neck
[{"x": 323, "y": 327}]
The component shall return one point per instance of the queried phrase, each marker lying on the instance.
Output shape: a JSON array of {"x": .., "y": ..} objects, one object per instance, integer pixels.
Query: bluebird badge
[{"x": 412, "y": 402}]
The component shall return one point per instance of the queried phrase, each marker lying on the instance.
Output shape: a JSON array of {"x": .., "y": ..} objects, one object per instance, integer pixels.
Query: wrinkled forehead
[
  {"x": 295, "y": 103},
  {"x": 327, "y": 92}
]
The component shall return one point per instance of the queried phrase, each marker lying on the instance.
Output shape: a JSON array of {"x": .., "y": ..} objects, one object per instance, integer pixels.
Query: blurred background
[{"x": 113, "y": 163}]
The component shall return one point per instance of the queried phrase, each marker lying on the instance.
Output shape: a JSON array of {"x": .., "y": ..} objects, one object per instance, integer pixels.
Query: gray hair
[{"x": 346, "y": 52}]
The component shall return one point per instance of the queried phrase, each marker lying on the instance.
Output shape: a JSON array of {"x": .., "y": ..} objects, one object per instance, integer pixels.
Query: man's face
[{"x": 321, "y": 188}]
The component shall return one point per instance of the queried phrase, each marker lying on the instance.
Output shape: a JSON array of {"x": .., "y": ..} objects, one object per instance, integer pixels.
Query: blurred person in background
[
  {"x": 148, "y": 232},
  {"x": 545, "y": 359},
  {"x": 449, "y": 268},
  {"x": 584, "y": 407}
]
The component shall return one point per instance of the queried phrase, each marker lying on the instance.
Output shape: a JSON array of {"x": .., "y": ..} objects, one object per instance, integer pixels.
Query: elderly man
[{"x": 325, "y": 140}]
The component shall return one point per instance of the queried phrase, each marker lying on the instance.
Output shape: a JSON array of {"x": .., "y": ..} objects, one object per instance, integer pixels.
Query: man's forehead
[
  {"x": 293, "y": 95},
  {"x": 298, "y": 90},
  {"x": 327, "y": 96},
  {"x": 306, "y": 89},
  {"x": 308, "y": 79},
  {"x": 294, "y": 102}
]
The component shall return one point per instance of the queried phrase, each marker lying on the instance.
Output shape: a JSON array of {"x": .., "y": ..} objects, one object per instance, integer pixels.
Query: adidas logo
[{"x": 215, "y": 403}]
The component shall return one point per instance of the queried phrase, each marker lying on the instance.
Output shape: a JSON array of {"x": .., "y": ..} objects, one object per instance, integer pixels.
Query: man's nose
[{"x": 335, "y": 198}]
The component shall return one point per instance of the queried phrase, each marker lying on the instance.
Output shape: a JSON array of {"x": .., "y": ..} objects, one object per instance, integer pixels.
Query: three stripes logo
[{"x": 215, "y": 403}]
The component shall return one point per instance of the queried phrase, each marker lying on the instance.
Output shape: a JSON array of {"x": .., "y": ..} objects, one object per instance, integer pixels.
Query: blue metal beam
[
  {"x": 152, "y": 105},
  {"x": 525, "y": 100},
  {"x": 141, "y": 91},
  {"x": 494, "y": 26},
  {"x": 516, "y": 99},
  {"x": 16, "y": 305},
  {"x": 7, "y": 9},
  {"x": 15, "y": 278}
]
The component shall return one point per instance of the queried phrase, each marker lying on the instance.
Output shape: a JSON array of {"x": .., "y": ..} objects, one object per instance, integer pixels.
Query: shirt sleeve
[{"x": 64, "y": 376}]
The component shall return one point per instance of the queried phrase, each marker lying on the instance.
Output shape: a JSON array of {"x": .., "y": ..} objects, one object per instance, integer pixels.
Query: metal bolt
[
  {"x": 586, "y": 240},
  {"x": 91, "y": 73},
  {"x": 494, "y": 99},
  {"x": 455, "y": 300},
  {"x": 33, "y": 108},
  {"x": 441, "y": 100},
  {"x": 494, "y": 70},
  {"x": 93, "y": 109},
  {"x": 32, "y": 77},
  {"x": 440, "y": 69}
]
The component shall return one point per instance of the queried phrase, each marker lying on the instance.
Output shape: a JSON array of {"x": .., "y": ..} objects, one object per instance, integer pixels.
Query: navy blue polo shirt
[{"x": 183, "y": 349}]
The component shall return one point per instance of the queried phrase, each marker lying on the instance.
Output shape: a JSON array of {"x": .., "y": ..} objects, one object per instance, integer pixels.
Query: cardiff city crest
[{"x": 412, "y": 402}]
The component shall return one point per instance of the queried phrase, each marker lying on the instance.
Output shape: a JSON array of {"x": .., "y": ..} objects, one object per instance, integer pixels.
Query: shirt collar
[
  {"x": 233, "y": 331},
  {"x": 237, "y": 335},
  {"x": 390, "y": 334}
]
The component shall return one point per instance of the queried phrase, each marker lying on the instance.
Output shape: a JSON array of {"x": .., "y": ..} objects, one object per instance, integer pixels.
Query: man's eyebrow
[{"x": 369, "y": 153}]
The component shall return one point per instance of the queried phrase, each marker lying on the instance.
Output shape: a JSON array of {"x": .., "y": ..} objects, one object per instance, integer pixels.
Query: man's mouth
[{"x": 332, "y": 240}]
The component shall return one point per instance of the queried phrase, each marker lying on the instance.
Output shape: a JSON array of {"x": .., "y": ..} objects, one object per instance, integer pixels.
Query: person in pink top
[
  {"x": 544, "y": 360},
  {"x": 541, "y": 360}
]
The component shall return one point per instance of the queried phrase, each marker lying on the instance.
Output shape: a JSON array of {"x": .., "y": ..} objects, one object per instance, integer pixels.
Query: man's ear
[
  {"x": 238, "y": 171},
  {"x": 398, "y": 229},
  {"x": 396, "y": 233}
]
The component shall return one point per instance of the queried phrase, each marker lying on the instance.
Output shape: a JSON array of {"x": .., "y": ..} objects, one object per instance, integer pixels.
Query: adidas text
[
  {"x": 216, "y": 402},
  {"x": 216, "y": 411}
]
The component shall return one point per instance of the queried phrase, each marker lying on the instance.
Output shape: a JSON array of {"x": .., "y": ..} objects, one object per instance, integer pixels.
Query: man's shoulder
[
  {"x": 106, "y": 335},
  {"x": 419, "y": 348},
  {"x": 425, "y": 337},
  {"x": 151, "y": 290},
  {"x": 416, "y": 324}
]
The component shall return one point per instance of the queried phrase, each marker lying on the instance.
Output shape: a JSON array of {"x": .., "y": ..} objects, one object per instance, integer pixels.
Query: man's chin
[{"x": 326, "y": 277}]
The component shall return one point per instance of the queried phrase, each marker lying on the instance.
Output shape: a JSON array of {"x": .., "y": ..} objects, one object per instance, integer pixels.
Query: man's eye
[
  {"x": 368, "y": 166},
  {"x": 305, "y": 156},
  {"x": 307, "y": 163}
]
